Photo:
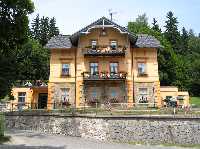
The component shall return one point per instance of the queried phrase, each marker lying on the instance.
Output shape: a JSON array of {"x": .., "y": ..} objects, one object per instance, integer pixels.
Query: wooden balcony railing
[
  {"x": 104, "y": 76},
  {"x": 104, "y": 51}
]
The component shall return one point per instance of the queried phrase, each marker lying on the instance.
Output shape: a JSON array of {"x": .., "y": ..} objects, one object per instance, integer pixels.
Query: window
[
  {"x": 21, "y": 97},
  {"x": 141, "y": 68},
  {"x": 113, "y": 94},
  {"x": 65, "y": 94},
  {"x": 114, "y": 68},
  {"x": 113, "y": 44},
  {"x": 94, "y": 94},
  {"x": 94, "y": 68},
  {"x": 143, "y": 95},
  {"x": 65, "y": 69},
  {"x": 94, "y": 44}
]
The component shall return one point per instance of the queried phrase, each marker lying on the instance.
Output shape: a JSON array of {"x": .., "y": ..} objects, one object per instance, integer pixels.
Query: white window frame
[
  {"x": 66, "y": 69},
  {"x": 21, "y": 97},
  {"x": 65, "y": 94},
  {"x": 142, "y": 68},
  {"x": 143, "y": 95},
  {"x": 113, "y": 43},
  {"x": 94, "y": 68},
  {"x": 93, "y": 44},
  {"x": 114, "y": 66}
]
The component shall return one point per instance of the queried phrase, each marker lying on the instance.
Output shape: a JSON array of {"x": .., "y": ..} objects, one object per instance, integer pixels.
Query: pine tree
[
  {"x": 184, "y": 41},
  {"x": 171, "y": 33},
  {"x": 191, "y": 33},
  {"x": 155, "y": 26},
  {"x": 53, "y": 30},
  {"x": 44, "y": 30},
  {"x": 35, "y": 29}
]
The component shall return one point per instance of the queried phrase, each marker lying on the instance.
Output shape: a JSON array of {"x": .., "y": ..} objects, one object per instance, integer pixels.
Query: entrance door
[{"x": 42, "y": 101}]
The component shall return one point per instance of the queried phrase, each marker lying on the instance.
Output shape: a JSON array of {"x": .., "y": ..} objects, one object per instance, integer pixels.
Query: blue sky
[{"x": 72, "y": 15}]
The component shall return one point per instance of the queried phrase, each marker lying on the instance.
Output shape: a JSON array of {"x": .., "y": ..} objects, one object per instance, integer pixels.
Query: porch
[{"x": 102, "y": 91}]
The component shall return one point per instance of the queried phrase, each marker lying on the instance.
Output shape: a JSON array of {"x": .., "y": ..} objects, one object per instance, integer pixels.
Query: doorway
[{"x": 42, "y": 101}]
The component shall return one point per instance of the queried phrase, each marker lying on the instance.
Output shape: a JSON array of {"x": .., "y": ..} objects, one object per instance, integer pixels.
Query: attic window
[
  {"x": 94, "y": 44},
  {"x": 113, "y": 44}
]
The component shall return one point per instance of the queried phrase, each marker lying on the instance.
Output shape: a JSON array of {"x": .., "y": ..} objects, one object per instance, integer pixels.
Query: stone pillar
[
  {"x": 129, "y": 91},
  {"x": 50, "y": 96},
  {"x": 157, "y": 94},
  {"x": 79, "y": 93}
]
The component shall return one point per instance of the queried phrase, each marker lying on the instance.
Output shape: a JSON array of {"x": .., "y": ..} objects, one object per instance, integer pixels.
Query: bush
[{"x": 2, "y": 120}]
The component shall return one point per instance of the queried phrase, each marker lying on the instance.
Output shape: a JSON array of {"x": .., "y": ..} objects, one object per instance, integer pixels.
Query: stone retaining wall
[{"x": 127, "y": 129}]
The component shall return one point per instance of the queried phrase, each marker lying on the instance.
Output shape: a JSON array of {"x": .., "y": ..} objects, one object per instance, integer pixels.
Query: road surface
[{"x": 34, "y": 140}]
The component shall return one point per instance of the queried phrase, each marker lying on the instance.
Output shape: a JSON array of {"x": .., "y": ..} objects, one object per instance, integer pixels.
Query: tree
[
  {"x": 140, "y": 25},
  {"x": 171, "y": 33},
  {"x": 33, "y": 61},
  {"x": 155, "y": 26},
  {"x": 53, "y": 30},
  {"x": 184, "y": 42},
  {"x": 35, "y": 28},
  {"x": 43, "y": 29},
  {"x": 13, "y": 34}
]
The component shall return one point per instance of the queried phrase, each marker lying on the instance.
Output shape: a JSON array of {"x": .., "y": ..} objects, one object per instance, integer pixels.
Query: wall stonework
[
  {"x": 149, "y": 87},
  {"x": 127, "y": 129},
  {"x": 56, "y": 91}
]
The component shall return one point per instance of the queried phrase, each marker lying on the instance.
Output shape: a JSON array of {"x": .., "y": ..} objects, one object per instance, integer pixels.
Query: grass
[
  {"x": 4, "y": 139},
  {"x": 162, "y": 144},
  {"x": 2, "y": 128},
  {"x": 195, "y": 101}
]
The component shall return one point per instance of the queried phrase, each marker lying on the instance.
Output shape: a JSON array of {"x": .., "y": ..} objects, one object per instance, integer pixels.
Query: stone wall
[{"x": 126, "y": 129}]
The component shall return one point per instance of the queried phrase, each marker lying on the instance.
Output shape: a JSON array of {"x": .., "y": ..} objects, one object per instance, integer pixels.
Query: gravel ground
[{"x": 34, "y": 140}]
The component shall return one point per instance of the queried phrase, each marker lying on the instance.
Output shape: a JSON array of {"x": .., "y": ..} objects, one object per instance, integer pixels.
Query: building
[{"x": 102, "y": 62}]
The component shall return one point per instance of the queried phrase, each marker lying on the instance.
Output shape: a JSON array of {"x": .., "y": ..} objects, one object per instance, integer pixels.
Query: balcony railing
[
  {"x": 104, "y": 51},
  {"x": 104, "y": 76},
  {"x": 31, "y": 83}
]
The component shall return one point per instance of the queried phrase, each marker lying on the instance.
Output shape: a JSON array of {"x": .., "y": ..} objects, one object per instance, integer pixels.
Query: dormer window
[
  {"x": 94, "y": 44},
  {"x": 113, "y": 44}
]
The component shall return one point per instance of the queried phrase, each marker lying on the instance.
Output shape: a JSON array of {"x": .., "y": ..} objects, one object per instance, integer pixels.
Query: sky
[{"x": 72, "y": 15}]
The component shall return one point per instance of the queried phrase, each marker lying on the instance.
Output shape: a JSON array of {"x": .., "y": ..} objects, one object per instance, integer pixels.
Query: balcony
[
  {"x": 31, "y": 83},
  {"x": 104, "y": 76},
  {"x": 104, "y": 51}
]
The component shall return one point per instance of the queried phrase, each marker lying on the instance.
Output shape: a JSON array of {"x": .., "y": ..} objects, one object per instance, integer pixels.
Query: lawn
[
  {"x": 195, "y": 101},
  {"x": 2, "y": 128}
]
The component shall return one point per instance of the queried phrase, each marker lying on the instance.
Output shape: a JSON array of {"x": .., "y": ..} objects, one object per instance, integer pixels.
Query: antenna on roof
[{"x": 111, "y": 13}]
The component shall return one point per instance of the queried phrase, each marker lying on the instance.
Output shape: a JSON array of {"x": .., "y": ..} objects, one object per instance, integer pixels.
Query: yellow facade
[
  {"x": 80, "y": 63},
  {"x": 31, "y": 97},
  {"x": 172, "y": 92},
  {"x": 135, "y": 79}
]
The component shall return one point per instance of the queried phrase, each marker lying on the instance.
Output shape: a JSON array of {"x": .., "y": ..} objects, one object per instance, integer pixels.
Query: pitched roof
[
  {"x": 103, "y": 21},
  {"x": 67, "y": 41},
  {"x": 59, "y": 42},
  {"x": 147, "y": 41}
]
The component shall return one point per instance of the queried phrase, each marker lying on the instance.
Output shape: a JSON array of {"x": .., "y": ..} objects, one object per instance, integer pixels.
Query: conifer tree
[
  {"x": 155, "y": 25},
  {"x": 36, "y": 28},
  {"x": 171, "y": 33},
  {"x": 53, "y": 30}
]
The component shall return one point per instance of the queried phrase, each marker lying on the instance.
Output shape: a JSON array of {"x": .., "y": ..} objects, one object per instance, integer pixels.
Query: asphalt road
[{"x": 34, "y": 140}]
